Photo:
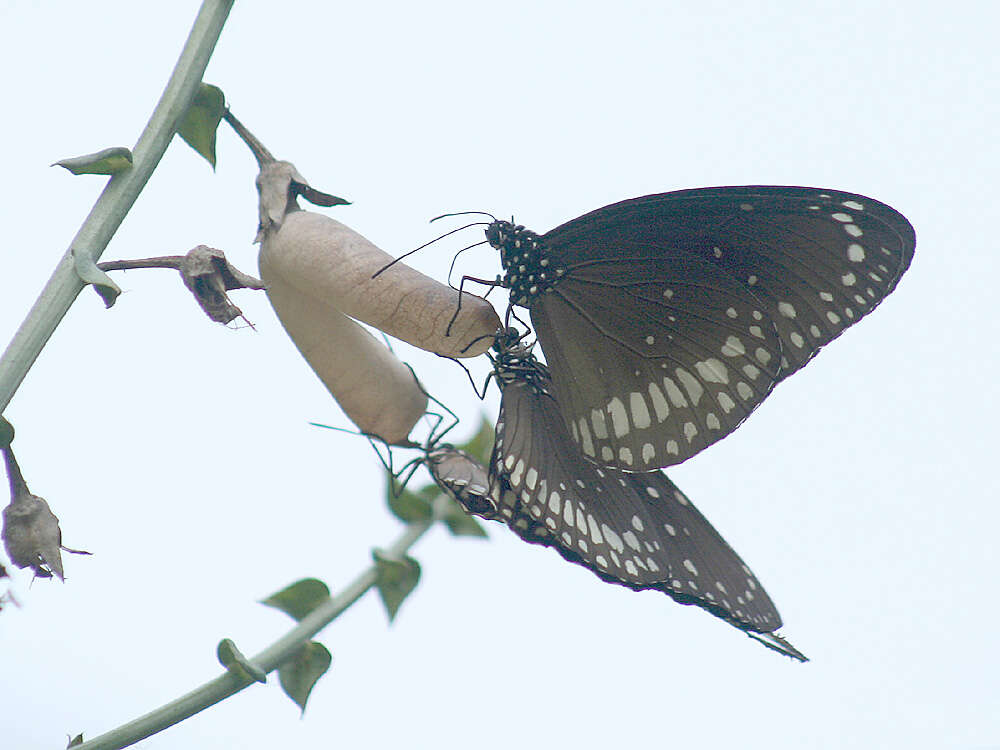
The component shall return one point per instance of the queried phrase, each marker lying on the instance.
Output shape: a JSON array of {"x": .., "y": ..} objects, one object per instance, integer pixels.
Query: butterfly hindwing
[{"x": 637, "y": 530}]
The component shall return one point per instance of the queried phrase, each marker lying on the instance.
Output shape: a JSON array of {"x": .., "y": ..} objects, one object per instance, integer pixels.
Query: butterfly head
[{"x": 513, "y": 361}]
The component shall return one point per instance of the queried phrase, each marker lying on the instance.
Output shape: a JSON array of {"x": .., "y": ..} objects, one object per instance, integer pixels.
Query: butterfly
[
  {"x": 667, "y": 319},
  {"x": 634, "y": 529}
]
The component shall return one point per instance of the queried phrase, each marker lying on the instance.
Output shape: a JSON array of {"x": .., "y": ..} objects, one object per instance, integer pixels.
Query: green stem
[
  {"x": 268, "y": 660},
  {"x": 114, "y": 203}
]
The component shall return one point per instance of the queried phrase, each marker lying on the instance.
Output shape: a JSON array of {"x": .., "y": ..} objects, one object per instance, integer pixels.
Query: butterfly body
[{"x": 667, "y": 319}]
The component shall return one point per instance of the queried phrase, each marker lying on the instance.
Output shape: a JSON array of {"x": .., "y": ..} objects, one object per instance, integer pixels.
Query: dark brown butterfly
[
  {"x": 634, "y": 529},
  {"x": 666, "y": 319}
]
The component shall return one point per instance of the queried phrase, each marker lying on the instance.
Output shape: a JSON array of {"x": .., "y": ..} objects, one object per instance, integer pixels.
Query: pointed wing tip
[{"x": 778, "y": 643}]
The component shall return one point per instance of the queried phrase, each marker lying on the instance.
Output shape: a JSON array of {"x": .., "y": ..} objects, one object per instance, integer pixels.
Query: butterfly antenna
[
  {"x": 466, "y": 213},
  {"x": 391, "y": 263}
]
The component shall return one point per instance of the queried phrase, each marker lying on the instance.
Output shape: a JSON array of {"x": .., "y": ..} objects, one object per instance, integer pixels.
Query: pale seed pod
[
  {"x": 374, "y": 388},
  {"x": 326, "y": 260}
]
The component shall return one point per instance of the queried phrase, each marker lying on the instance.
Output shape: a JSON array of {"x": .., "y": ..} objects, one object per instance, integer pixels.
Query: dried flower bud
[
  {"x": 327, "y": 260},
  {"x": 31, "y": 536},
  {"x": 208, "y": 275},
  {"x": 373, "y": 387},
  {"x": 31, "y": 533}
]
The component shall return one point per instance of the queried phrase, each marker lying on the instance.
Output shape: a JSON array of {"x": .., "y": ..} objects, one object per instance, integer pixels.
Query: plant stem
[
  {"x": 114, "y": 203},
  {"x": 268, "y": 660},
  {"x": 162, "y": 261},
  {"x": 259, "y": 150}
]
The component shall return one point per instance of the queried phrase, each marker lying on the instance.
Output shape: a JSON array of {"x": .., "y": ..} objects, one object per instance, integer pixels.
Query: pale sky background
[{"x": 863, "y": 493}]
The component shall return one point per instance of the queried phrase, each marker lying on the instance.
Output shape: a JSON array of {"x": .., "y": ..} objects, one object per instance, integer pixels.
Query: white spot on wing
[
  {"x": 674, "y": 393},
  {"x": 586, "y": 444},
  {"x": 733, "y": 347},
  {"x": 726, "y": 402},
  {"x": 595, "y": 530},
  {"x": 692, "y": 386},
  {"x": 648, "y": 452},
  {"x": 600, "y": 426},
  {"x": 640, "y": 412},
  {"x": 690, "y": 430},
  {"x": 619, "y": 419},
  {"x": 712, "y": 370},
  {"x": 614, "y": 541},
  {"x": 659, "y": 402}
]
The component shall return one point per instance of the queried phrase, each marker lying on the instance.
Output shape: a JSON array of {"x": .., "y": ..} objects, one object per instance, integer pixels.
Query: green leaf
[
  {"x": 299, "y": 674},
  {"x": 461, "y": 523},
  {"x": 78, "y": 740},
  {"x": 89, "y": 273},
  {"x": 107, "y": 161},
  {"x": 234, "y": 660},
  {"x": 201, "y": 121},
  {"x": 480, "y": 445},
  {"x": 411, "y": 506},
  {"x": 395, "y": 579},
  {"x": 299, "y": 599}
]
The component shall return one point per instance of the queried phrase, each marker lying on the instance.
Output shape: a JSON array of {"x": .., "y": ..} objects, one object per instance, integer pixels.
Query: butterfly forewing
[
  {"x": 637, "y": 530},
  {"x": 757, "y": 278}
]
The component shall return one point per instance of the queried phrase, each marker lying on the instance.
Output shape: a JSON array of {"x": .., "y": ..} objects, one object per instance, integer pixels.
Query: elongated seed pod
[
  {"x": 326, "y": 260},
  {"x": 375, "y": 389}
]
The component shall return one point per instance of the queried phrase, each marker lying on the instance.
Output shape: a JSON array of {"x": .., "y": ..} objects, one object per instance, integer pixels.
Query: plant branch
[
  {"x": 114, "y": 203},
  {"x": 230, "y": 683},
  {"x": 161, "y": 261},
  {"x": 260, "y": 152}
]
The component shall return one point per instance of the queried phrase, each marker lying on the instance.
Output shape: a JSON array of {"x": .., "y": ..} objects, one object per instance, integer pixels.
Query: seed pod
[
  {"x": 375, "y": 389},
  {"x": 326, "y": 260}
]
